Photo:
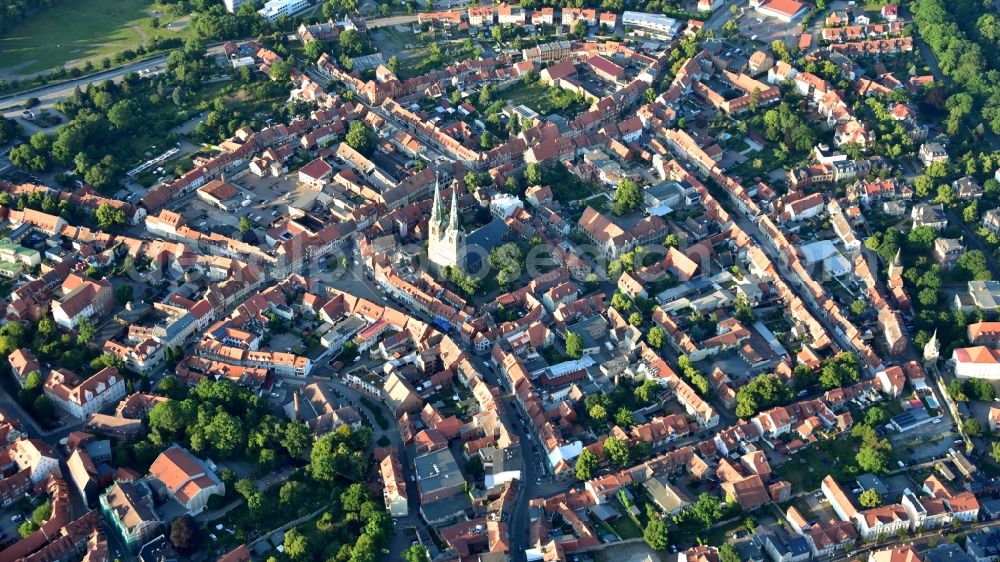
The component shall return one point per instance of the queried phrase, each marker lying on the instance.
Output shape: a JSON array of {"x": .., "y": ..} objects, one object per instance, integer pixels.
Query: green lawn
[
  {"x": 391, "y": 41},
  {"x": 422, "y": 60},
  {"x": 543, "y": 99},
  {"x": 723, "y": 534},
  {"x": 625, "y": 528},
  {"x": 806, "y": 469},
  {"x": 74, "y": 30}
]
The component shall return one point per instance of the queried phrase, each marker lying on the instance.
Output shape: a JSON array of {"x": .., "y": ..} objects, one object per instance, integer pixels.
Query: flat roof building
[
  {"x": 274, "y": 9},
  {"x": 655, "y": 26},
  {"x": 438, "y": 476}
]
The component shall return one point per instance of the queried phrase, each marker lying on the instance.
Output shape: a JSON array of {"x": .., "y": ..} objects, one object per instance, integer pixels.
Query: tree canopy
[
  {"x": 586, "y": 464},
  {"x": 761, "y": 393},
  {"x": 574, "y": 345},
  {"x": 628, "y": 197},
  {"x": 617, "y": 451},
  {"x": 506, "y": 260},
  {"x": 360, "y": 137},
  {"x": 870, "y": 498}
]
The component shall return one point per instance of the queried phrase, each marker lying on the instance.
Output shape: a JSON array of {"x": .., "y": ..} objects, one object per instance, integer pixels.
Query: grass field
[
  {"x": 544, "y": 99},
  {"x": 806, "y": 469},
  {"x": 73, "y": 31}
]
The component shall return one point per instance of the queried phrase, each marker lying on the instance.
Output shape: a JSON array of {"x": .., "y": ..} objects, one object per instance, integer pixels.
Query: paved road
[
  {"x": 56, "y": 92},
  {"x": 9, "y": 404},
  {"x": 914, "y": 540},
  {"x": 49, "y": 95},
  {"x": 721, "y": 15},
  {"x": 517, "y": 524}
]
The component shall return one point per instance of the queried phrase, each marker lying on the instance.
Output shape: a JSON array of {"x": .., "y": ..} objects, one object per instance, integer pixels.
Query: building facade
[{"x": 446, "y": 242}]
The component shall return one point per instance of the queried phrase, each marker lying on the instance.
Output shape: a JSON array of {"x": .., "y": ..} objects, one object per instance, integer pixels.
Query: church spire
[
  {"x": 453, "y": 219},
  {"x": 436, "y": 208},
  {"x": 932, "y": 349}
]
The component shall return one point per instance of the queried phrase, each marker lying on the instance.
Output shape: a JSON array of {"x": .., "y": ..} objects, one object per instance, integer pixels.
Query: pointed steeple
[
  {"x": 932, "y": 349},
  {"x": 895, "y": 270},
  {"x": 453, "y": 219},
  {"x": 436, "y": 208}
]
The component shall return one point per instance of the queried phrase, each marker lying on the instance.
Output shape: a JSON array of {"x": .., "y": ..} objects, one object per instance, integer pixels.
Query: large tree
[
  {"x": 506, "y": 259},
  {"x": 109, "y": 217},
  {"x": 870, "y": 498},
  {"x": 628, "y": 197},
  {"x": 656, "y": 337},
  {"x": 586, "y": 464},
  {"x": 360, "y": 137},
  {"x": 871, "y": 459},
  {"x": 297, "y": 438},
  {"x": 351, "y": 43},
  {"x": 416, "y": 553},
  {"x": 617, "y": 451},
  {"x": 184, "y": 534},
  {"x": 728, "y": 553},
  {"x": 297, "y": 545},
  {"x": 574, "y": 345},
  {"x": 656, "y": 534},
  {"x": 707, "y": 509}
]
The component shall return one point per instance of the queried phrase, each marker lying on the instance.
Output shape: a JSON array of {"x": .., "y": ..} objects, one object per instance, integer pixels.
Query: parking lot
[
  {"x": 8, "y": 528},
  {"x": 764, "y": 30},
  {"x": 929, "y": 441},
  {"x": 269, "y": 198}
]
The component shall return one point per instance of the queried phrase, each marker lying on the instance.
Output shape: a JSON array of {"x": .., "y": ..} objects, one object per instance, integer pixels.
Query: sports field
[{"x": 76, "y": 30}]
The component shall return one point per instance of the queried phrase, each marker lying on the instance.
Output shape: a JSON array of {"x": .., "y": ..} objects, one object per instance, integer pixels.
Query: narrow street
[{"x": 9, "y": 404}]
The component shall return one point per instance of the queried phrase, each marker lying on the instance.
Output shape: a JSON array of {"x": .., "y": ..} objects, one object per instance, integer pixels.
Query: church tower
[
  {"x": 435, "y": 223},
  {"x": 445, "y": 244},
  {"x": 932, "y": 349},
  {"x": 896, "y": 269}
]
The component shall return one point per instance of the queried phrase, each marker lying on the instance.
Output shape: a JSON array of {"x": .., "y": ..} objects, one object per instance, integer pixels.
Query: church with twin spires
[{"x": 446, "y": 242}]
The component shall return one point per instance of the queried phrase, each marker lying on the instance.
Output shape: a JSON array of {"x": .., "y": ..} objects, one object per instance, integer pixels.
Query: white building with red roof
[
  {"x": 104, "y": 388},
  {"x": 315, "y": 174},
  {"x": 784, "y": 10},
  {"x": 22, "y": 363},
  {"x": 37, "y": 456},
  {"x": 183, "y": 477},
  {"x": 892, "y": 381},
  {"x": 976, "y": 362},
  {"x": 82, "y": 298}
]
